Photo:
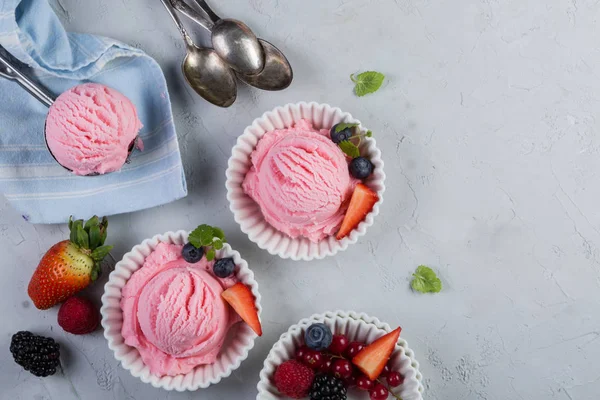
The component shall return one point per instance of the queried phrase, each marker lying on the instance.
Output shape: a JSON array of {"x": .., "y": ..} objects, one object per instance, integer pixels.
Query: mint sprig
[
  {"x": 209, "y": 237},
  {"x": 350, "y": 147},
  {"x": 425, "y": 280},
  {"x": 367, "y": 82}
]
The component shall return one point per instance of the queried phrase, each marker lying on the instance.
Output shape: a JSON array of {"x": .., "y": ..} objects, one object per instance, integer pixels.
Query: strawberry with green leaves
[{"x": 71, "y": 265}]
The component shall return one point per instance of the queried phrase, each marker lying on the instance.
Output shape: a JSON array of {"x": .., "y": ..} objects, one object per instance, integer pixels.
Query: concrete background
[{"x": 488, "y": 127}]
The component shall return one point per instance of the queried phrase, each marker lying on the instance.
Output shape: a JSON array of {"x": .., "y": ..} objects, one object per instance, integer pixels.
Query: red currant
[
  {"x": 364, "y": 383},
  {"x": 300, "y": 352},
  {"x": 313, "y": 359},
  {"x": 326, "y": 363},
  {"x": 379, "y": 392},
  {"x": 351, "y": 381},
  {"x": 386, "y": 371},
  {"x": 338, "y": 345},
  {"x": 395, "y": 379},
  {"x": 353, "y": 349},
  {"x": 342, "y": 369}
]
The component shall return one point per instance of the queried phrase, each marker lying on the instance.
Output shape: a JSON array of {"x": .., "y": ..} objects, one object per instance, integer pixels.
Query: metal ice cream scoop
[{"x": 9, "y": 69}]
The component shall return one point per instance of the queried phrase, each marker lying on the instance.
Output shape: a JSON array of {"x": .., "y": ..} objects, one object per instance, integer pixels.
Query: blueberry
[
  {"x": 337, "y": 137},
  {"x": 224, "y": 267},
  {"x": 191, "y": 253},
  {"x": 361, "y": 167},
  {"x": 318, "y": 337}
]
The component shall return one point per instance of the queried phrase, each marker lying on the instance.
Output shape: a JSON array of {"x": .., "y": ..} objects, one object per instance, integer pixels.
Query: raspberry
[
  {"x": 78, "y": 316},
  {"x": 294, "y": 379}
]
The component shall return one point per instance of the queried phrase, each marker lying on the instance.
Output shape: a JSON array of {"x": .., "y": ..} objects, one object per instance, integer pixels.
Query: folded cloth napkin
[{"x": 40, "y": 189}]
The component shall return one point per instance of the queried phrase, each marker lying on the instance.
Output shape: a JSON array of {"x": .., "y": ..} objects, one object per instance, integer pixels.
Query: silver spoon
[
  {"x": 10, "y": 71},
  {"x": 235, "y": 42},
  {"x": 204, "y": 70},
  {"x": 277, "y": 73}
]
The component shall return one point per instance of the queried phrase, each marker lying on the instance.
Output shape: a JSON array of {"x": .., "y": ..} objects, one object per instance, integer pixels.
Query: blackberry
[
  {"x": 326, "y": 387},
  {"x": 36, "y": 354}
]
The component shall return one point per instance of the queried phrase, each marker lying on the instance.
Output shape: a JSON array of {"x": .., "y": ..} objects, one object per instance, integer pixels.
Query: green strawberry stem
[{"x": 89, "y": 237}]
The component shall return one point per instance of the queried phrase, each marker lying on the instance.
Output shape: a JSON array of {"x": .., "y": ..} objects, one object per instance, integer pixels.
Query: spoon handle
[
  {"x": 169, "y": 6},
  {"x": 10, "y": 71},
  {"x": 191, "y": 13},
  {"x": 206, "y": 8}
]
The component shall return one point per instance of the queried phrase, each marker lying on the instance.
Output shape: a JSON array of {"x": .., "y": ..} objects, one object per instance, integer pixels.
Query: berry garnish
[
  {"x": 293, "y": 379},
  {"x": 318, "y": 336},
  {"x": 313, "y": 359},
  {"x": 327, "y": 387},
  {"x": 224, "y": 267},
  {"x": 209, "y": 237},
  {"x": 360, "y": 167},
  {"x": 339, "y": 136},
  {"x": 361, "y": 203},
  {"x": 338, "y": 345},
  {"x": 353, "y": 348},
  {"x": 364, "y": 383},
  {"x": 242, "y": 300},
  {"x": 379, "y": 392},
  {"x": 301, "y": 352},
  {"x": 372, "y": 359},
  {"x": 326, "y": 364},
  {"x": 36, "y": 354},
  {"x": 351, "y": 380},
  {"x": 342, "y": 368},
  {"x": 192, "y": 254},
  {"x": 386, "y": 370},
  {"x": 78, "y": 316},
  {"x": 395, "y": 379}
]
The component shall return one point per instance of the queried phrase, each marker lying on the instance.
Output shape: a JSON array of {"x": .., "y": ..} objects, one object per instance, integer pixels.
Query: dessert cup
[
  {"x": 239, "y": 340},
  {"x": 357, "y": 327},
  {"x": 247, "y": 212}
]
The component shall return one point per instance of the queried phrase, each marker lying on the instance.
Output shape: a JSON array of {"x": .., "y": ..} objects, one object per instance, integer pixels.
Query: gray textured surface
[{"x": 489, "y": 132}]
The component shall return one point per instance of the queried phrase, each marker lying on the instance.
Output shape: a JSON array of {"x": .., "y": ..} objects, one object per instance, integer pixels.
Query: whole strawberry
[
  {"x": 70, "y": 265},
  {"x": 78, "y": 316},
  {"x": 293, "y": 379}
]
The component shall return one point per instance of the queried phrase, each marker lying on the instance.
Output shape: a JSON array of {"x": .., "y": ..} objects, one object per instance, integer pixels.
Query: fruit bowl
[
  {"x": 357, "y": 327},
  {"x": 247, "y": 212},
  {"x": 239, "y": 342}
]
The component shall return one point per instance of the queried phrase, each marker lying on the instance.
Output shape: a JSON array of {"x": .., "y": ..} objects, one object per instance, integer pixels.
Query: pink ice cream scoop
[
  {"x": 91, "y": 128},
  {"x": 300, "y": 180},
  {"x": 173, "y": 312}
]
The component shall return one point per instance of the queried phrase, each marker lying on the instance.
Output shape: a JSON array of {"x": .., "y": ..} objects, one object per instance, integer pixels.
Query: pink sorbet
[
  {"x": 90, "y": 129},
  {"x": 300, "y": 180},
  {"x": 173, "y": 312}
]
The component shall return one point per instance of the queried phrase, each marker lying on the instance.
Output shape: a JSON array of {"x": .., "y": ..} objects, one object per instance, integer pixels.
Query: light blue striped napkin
[{"x": 40, "y": 189}]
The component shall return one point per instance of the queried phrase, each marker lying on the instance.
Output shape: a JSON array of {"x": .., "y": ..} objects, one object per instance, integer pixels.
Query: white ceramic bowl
[
  {"x": 237, "y": 345},
  {"x": 247, "y": 212},
  {"x": 356, "y": 326}
]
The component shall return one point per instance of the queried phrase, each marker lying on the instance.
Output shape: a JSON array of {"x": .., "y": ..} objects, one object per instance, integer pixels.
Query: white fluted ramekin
[
  {"x": 357, "y": 327},
  {"x": 236, "y": 347},
  {"x": 246, "y": 211}
]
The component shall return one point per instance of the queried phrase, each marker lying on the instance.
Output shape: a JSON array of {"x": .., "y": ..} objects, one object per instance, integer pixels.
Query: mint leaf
[
  {"x": 218, "y": 232},
  {"x": 425, "y": 280},
  {"x": 218, "y": 244},
  {"x": 349, "y": 148},
  {"x": 344, "y": 125},
  {"x": 201, "y": 236},
  {"x": 369, "y": 134},
  {"x": 210, "y": 255},
  {"x": 367, "y": 82}
]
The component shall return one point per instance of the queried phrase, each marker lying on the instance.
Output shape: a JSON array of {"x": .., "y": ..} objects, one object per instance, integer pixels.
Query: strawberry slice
[
  {"x": 372, "y": 359},
  {"x": 240, "y": 297},
  {"x": 362, "y": 202}
]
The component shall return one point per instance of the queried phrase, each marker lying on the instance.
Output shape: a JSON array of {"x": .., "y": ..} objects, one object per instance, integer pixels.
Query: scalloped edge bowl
[
  {"x": 232, "y": 354},
  {"x": 357, "y": 326},
  {"x": 246, "y": 211}
]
